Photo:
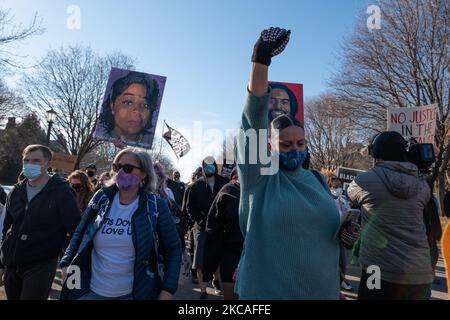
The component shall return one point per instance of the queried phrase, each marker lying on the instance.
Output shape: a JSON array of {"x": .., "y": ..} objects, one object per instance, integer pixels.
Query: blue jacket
[{"x": 146, "y": 285}]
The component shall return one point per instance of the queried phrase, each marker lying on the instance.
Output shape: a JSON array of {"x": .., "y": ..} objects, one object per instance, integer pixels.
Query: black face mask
[
  {"x": 77, "y": 187},
  {"x": 90, "y": 174}
]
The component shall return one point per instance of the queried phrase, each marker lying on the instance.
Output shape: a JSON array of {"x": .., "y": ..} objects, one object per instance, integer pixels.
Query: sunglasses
[
  {"x": 77, "y": 187},
  {"x": 127, "y": 168}
]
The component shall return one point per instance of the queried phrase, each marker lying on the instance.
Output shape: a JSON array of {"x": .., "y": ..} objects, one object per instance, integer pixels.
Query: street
[{"x": 189, "y": 291}]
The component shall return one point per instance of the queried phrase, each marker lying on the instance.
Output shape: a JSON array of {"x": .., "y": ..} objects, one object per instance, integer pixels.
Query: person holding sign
[
  {"x": 118, "y": 245},
  {"x": 288, "y": 218}
]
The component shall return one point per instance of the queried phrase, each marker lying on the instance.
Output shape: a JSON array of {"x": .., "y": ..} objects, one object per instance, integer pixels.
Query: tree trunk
[{"x": 77, "y": 163}]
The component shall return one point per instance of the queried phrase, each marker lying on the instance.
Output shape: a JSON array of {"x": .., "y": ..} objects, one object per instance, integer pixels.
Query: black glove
[
  {"x": 271, "y": 43},
  {"x": 349, "y": 234}
]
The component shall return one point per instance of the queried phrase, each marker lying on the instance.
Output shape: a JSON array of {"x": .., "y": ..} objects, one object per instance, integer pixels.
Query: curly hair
[{"x": 106, "y": 118}]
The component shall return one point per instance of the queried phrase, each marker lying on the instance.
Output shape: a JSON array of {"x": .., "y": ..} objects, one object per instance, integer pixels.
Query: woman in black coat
[{"x": 224, "y": 238}]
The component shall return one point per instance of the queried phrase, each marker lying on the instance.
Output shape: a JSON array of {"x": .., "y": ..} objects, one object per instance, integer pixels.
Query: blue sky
[{"x": 202, "y": 47}]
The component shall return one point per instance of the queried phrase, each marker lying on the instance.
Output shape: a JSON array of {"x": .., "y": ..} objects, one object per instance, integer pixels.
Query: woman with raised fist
[{"x": 287, "y": 215}]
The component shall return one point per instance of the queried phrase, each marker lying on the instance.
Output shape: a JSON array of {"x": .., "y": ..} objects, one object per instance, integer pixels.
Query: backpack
[
  {"x": 181, "y": 224},
  {"x": 153, "y": 213}
]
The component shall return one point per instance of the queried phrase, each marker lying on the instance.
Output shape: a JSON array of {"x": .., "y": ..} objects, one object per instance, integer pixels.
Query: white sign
[{"x": 417, "y": 122}]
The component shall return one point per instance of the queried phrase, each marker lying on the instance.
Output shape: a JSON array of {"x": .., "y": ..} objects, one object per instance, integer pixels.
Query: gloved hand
[{"x": 271, "y": 43}]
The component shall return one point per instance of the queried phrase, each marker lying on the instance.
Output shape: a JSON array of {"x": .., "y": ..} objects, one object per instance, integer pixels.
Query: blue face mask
[
  {"x": 292, "y": 160},
  {"x": 209, "y": 169},
  {"x": 31, "y": 171}
]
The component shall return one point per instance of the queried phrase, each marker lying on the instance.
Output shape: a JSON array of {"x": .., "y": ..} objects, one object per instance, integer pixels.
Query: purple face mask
[{"x": 126, "y": 181}]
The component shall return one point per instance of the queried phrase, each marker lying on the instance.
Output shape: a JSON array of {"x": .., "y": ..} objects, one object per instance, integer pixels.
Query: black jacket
[
  {"x": 38, "y": 230},
  {"x": 222, "y": 227},
  {"x": 2, "y": 196},
  {"x": 223, "y": 217},
  {"x": 447, "y": 204},
  {"x": 200, "y": 198},
  {"x": 184, "y": 211},
  {"x": 178, "y": 189}
]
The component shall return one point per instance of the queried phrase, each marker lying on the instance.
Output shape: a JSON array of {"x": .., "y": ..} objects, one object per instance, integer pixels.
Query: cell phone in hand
[{"x": 353, "y": 214}]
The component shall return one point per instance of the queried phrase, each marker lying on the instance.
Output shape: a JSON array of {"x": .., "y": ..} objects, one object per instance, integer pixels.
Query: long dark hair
[{"x": 106, "y": 118}]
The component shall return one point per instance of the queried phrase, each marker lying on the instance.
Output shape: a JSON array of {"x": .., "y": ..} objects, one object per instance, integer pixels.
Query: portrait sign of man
[{"x": 286, "y": 98}]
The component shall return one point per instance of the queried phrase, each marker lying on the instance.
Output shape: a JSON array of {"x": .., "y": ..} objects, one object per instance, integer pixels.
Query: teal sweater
[{"x": 289, "y": 222}]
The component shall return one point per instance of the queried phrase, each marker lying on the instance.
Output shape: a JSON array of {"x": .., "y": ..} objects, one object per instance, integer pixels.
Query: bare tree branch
[
  {"x": 405, "y": 64},
  {"x": 72, "y": 81},
  {"x": 332, "y": 136},
  {"x": 11, "y": 34}
]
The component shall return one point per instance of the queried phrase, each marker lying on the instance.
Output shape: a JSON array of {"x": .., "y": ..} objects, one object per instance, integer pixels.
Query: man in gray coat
[{"x": 392, "y": 196}]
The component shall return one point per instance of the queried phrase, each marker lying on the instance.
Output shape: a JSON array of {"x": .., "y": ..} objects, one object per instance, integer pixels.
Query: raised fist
[{"x": 271, "y": 43}]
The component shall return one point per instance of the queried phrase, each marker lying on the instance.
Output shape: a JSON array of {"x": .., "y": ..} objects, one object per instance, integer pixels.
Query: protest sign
[
  {"x": 286, "y": 98},
  {"x": 418, "y": 122},
  {"x": 347, "y": 175},
  {"x": 130, "y": 108}
]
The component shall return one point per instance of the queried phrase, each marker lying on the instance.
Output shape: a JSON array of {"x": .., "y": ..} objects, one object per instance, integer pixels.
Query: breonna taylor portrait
[{"x": 130, "y": 108}]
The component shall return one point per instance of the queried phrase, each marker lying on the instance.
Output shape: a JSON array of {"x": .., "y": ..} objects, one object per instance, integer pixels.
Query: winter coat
[
  {"x": 392, "y": 197},
  {"x": 37, "y": 230},
  {"x": 151, "y": 210}
]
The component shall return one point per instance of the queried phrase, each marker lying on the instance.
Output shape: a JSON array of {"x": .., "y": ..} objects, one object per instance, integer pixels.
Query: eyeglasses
[
  {"x": 131, "y": 102},
  {"x": 127, "y": 168}
]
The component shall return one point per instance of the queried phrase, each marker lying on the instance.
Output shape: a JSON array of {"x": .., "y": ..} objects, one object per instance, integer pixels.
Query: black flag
[{"x": 176, "y": 140}]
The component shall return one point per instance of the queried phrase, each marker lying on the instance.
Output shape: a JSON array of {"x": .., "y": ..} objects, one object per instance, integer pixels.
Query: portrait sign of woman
[
  {"x": 283, "y": 100},
  {"x": 130, "y": 108}
]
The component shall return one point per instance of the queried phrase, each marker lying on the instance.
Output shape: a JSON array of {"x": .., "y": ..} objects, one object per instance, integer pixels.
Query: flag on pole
[{"x": 176, "y": 140}]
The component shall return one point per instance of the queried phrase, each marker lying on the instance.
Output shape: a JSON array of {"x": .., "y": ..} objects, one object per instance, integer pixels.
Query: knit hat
[{"x": 389, "y": 146}]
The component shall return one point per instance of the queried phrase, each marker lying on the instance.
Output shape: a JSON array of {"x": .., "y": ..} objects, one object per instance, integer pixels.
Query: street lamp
[{"x": 51, "y": 117}]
